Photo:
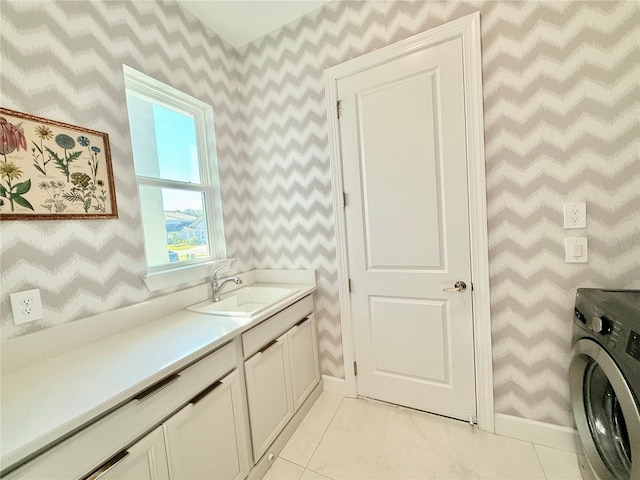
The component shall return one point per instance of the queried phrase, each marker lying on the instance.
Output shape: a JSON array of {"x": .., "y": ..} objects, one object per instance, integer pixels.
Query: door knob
[{"x": 459, "y": 286}]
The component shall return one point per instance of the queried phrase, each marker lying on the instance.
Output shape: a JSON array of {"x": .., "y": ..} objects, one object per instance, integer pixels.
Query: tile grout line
[
  {"x": 544, "y": 472},
  {"x": 324, "y": 433},
  {"x": 321, "y": 437},
  {"x": 316, "y": 473}
]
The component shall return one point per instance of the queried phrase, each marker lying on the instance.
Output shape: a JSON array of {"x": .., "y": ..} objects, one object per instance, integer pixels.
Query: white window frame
[{"x": 171, "y": 274}]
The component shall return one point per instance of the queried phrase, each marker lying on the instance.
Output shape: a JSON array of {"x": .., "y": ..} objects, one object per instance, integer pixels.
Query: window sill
[{"x": 180, "y": 275}]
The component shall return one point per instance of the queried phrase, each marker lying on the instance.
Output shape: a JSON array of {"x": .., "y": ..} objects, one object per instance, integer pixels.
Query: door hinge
[
  {"x": 338, "y": 108},
  {"x": 473, "y": 421},
  {"x": 349, "y": 282},
  {"x": 355, "y": 369},
  {"x": 344, "y": 199}
]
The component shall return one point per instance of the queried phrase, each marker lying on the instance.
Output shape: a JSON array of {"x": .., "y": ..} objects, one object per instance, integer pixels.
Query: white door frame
[{"x": 468, "y": 29}]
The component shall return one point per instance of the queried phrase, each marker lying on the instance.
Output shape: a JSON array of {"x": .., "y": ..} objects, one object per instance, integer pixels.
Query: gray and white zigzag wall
[
  {"x": 562, "y": 120},
  {"x": 63, "y": 60}
]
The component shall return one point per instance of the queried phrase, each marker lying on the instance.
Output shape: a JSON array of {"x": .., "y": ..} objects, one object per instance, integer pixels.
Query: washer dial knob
[{"x": 601, "y": 325}]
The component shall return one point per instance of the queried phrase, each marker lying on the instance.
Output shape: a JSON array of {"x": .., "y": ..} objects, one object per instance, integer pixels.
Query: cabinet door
[
  {"x": 269, "y": 393},
  {"x": 206, "y": 439},
  {"x": 145, "y": 460},
  {"x": 303, "y": 355}
]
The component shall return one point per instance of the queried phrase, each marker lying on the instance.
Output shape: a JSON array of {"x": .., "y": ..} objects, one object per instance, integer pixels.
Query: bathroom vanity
[{"x": 186, "y": 395}]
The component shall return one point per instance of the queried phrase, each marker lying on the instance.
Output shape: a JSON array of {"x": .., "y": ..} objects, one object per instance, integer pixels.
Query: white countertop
[{"x": 42, "y": 402}]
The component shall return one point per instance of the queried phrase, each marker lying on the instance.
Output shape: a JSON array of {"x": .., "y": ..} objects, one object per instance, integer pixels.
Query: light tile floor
[{"x": 355, "y": 439}]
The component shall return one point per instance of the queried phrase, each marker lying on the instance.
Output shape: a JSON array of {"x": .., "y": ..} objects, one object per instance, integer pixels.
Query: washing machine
[{"x": 604, "y": 379}]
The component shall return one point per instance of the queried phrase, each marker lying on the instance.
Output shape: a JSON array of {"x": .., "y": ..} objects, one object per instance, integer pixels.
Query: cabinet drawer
[
  {"x": 87, "y": 449},
  {"x": 256, "y": 338}
]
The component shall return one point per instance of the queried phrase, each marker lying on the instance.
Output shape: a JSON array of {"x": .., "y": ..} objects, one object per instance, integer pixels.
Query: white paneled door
[{"x": 403, "y": 146}]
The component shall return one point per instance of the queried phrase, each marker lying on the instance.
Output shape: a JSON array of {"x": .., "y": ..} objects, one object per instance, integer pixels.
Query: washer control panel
[
  {"x": 598, "y": 323},
  {"x": 633, "y": 345},
  {"x": 608, "y": 329}
]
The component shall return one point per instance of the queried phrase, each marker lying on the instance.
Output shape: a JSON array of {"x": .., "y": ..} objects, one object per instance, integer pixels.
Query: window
[{"x": 174, "y": 154}]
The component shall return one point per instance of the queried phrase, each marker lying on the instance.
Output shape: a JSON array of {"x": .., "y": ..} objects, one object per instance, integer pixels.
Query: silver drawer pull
[
  {"x": 267, "y": 346},
  {"x": 156, "y": 386},
  {"x": 108, "y": 465},
  {"x": 205, "y": 392},
  {"x": 301, "y": 322}
]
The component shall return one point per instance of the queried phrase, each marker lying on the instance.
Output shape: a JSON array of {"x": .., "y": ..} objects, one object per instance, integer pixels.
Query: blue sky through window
[
  {"x": 176, "y": 143},
  {"x": 177, "y": 156}
]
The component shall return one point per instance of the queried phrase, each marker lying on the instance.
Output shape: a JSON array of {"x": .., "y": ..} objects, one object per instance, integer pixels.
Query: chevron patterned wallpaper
[
  {"x": 562, "y": 119},
  {"x": 63, "y": 60}
]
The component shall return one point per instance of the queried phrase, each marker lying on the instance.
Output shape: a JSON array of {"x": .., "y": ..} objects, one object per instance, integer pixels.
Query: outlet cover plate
[
  {"x": 575, "y": 215},
  {"x": 26, "y": 306}
]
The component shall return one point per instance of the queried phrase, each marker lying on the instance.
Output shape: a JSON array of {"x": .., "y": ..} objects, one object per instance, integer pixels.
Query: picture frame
[{"x": 51, "y": 170}]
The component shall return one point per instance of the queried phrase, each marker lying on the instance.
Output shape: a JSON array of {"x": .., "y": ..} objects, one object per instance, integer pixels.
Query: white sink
[{"x": 244, "y": 302}]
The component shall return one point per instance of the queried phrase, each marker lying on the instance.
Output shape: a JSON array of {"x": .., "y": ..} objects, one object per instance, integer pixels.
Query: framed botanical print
[{"x": 51, "y": 170}]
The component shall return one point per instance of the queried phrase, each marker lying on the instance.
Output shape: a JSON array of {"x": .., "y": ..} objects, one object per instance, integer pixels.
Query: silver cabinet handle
[
  {"x": 301, "y": 321},
  {"x": 156, "y": 386},
  {"x": 108, "y": 465},
  {"x": 205, "y": 392},
  {"x": 459, "y": 286},
  {"x": 268, "y": 345}
]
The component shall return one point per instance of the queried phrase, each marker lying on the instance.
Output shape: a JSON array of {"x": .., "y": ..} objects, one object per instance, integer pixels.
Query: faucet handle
[{"x": 215, "y": 272}]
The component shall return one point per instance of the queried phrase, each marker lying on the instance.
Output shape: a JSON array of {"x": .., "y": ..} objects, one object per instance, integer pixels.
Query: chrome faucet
[{"x": 218, "y": 283}]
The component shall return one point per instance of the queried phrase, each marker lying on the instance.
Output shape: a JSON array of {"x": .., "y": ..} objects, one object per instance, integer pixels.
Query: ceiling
[{"x": 239, "y": 22}]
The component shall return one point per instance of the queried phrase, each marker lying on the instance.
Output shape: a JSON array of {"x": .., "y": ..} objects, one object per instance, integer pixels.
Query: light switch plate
[
  {"x": 576, "y": 250},
  {"x": 575, "y": 215}
]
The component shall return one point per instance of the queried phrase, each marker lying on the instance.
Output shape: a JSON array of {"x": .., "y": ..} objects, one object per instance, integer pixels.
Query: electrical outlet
[
  {"x": 575, "y": 215},
  {"x": 26, "y": 306}
]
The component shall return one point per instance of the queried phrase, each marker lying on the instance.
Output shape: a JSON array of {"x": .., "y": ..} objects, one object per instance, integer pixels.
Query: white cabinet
[
  {"x": 181, "y": 426},
  {"x": 145, "y": 460},
  {"x": 84, "y": 451},
  {"x": 269, "y": 393},
  {"x": 279, "y": 378},
  {"x": 303, "y": 357},
  {"x": 206, "y": 439}
]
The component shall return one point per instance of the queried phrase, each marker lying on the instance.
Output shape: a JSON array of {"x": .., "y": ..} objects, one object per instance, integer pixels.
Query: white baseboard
[
  {"x": 335, "y": 385},
  {"x": 547, "y": 434}
]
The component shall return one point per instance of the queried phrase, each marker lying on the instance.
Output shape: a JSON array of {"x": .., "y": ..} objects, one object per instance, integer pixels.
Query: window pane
[
  {"x": 175, "y": 226},
  {"x": 163, "y": 140}
]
